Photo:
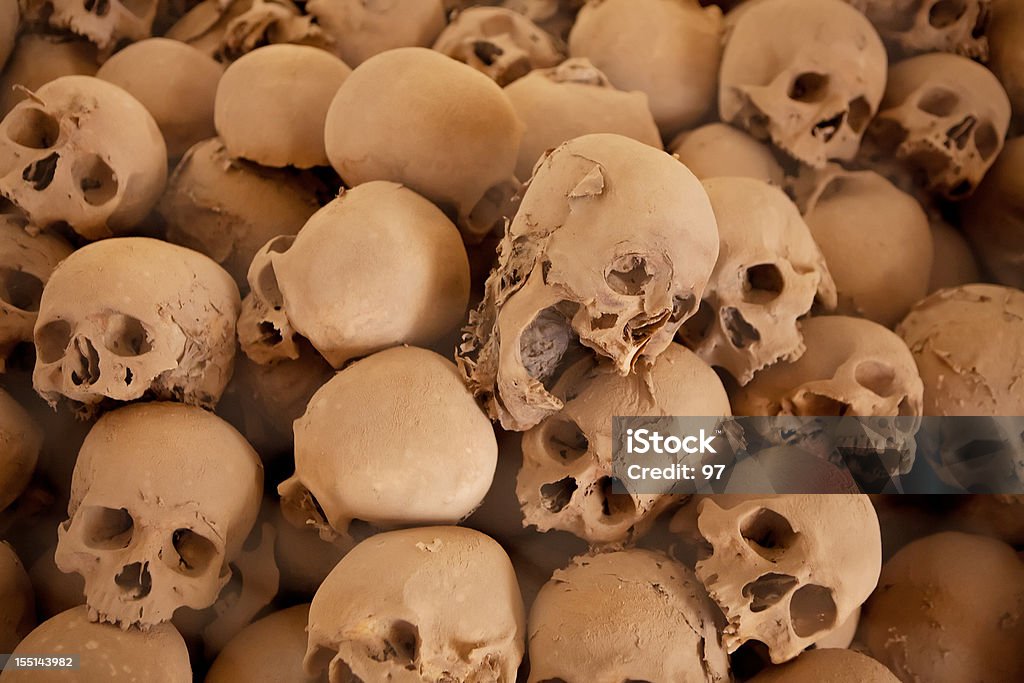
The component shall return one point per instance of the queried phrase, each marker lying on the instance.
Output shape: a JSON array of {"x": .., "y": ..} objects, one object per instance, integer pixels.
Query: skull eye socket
[
  {"x": 52, "y": 340},
  {"x": 126, "y": 336},
  {"x": 195, "y": 553},
  {"x": 698, "y": 326},
  {"x": 986, "y": 140},
  {"x": 809, "y": 87},
  {"x": 20, "y": 289},
  {"x": 95, "y": 178},
  {"x": 768, "y": 534},
  {"x": 945, "y": 13},
  {"x": 32, "y": 128},
  {"x": 938, "y": 102},
  {"x": 876, "y": 377},
  {"x": 404, "y": 641},
  {"x": 564, "y": 438},
  {"x": 812, "y": 610},
  {"x": 106, "y": 528},
  {"x": 763, "y": 283},
  {"x": 858, "y": 114},
  {"x": 629, "y": 275}
]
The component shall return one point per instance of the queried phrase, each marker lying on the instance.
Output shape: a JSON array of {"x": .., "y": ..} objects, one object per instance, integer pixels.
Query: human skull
[
  {"x": 83, "y": 152},
  {"x": 418, "y": 606},
  {"x": 787, "y": 570},
  {"x": 20, "y": 442},
  {"x": 19, "y": 614},
  {"x": 613, "y": 244},
  {"x": 807, "y": 75},
  {"x": 163, "y": 496},
  {"x": 718, "y": 149},
  {"x": 852, "y": 368},
  {"x": 40, "y": 58},
  {"x": 26, "y": 262},
  {"x": 915, "y": 26},
  {"x": 656, "y": 623},
  {"x": 106, "y": 653},
  {"x": 128, "y": 316},
  {"x": 567, "y": 473},
  {"x": 944, "y": 118},
  {"x": 417, "y": 130},
  {"x": 955, "y": 263},
  {"x": 501, "y": 43},
  {"x": 361, "y": 29},
  {"x": 354, "y": 462},
  {"x": 994, "y": 217},
  {"x": 549, "y": 102},
  {"x": 107, "y": 23},
  {"x": 815, "y": 666},
  {"x": 376, "y": 267},
  {"x": 768, "y": 275},
  {"x": 270, "y": 649}
]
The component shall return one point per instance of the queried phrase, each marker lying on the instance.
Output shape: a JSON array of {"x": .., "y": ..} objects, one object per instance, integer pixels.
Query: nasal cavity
[
  {"x": 86, "y": 368},
  {"x": 135, "y": 581}
]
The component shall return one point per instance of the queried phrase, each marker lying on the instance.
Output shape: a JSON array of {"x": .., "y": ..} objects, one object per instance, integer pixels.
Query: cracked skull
[
  {"x": 107, "y": 23},
  {"x": 82, "y": 152},
  {"x": 916, "y": 26},
  {"x": 768, "y": 275},
  {"x": 821, "y": 85},
  {"x": 788, "y": 570},
  {"x": 944, "y": 118},
  {"x": 163, "y": 497},
  {"x": 419, "y": 606},
  {"x": 613, "y": 244},
  {"x": 567, "y": 474},
  {"x": 131, "y": 316}
]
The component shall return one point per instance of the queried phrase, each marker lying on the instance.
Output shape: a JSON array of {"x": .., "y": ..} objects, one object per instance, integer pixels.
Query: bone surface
[
  {"x": 19, "y": 614},
  {"x": 20, "y": 442}
]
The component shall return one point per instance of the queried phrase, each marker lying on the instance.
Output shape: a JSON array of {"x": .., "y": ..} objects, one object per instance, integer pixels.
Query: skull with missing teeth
[
  {"x": 808, "y": 74},
  {"x": 128, "y": 316},
  {"x": 162, "y": 498},
  {"x": 107, "y": 23},
  {"x": 612, "y": 247}
]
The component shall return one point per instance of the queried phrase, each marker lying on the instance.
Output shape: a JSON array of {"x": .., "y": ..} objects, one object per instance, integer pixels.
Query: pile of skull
[{"x": 238, "y": 443}]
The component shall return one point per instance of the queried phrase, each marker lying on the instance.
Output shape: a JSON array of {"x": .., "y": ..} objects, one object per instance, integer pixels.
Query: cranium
[
  {"x": 272, "y": 647},
  {"x": 19, "y": 615},
  {"x": 417, "y": 606},
  {"x": 128, "y": 316},
  {"x": 718, "y": 149},
  {"x": 20, "y": 442},
  {"x": 819, "y": 665},
  {"x": 83, "y": 152},
  {"x": 501, "y": 43},
  {"x": 787, "y": 570},
  {"x": 955, "y": 263},
  {"x": 361, "y": 29},
  {"x": 26, "y": 262},
  {"x": 851, "y": 368},
  {"x": 994, "y": 217},
  {"x": 38, "y": 59},
  {"x": 944, "y": 118},
  {"x": 377, "y": 267},
  {"x": 162, "y": 499},
  {"x": 567, "y": 474},
  {"x": 915, "y": 26},
  {"x": 437, "y": 463},
  {"x": 807, "y": 75},
  {"x": 768, "y": 275},
  {"x": 418, "y": 131},
  {"x": 612, "y": 245},
  {"x": 656, "y": 623},
  {"x": 107, "y": 23}
]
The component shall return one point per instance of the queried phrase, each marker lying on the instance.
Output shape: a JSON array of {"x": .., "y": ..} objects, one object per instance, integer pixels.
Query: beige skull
[
  {"x": 915, "y": 26},
  {"x": 501, "y": 43},
  {"x": 377, "y": 267},
  {"x": 163, "y": 497},
  {"x": 107, "y": 23},
  {"x": 360, "y": 29},
  {"x": 955, "y": 263},
  {"x": 353, "y": 461},
  {"x": 815, "y": 666},
  {"x": 815, "y": 94},
  {"x": 567, "y": 474},
  {"x": 26, "y": 262},
  {"x": 944, "y": 118},
  {"x": 612, "y": 245},
  {"x": 788, "y": 570},
  {"x": 19, "y": 615},
  {"x": 38, "y": 59},
  {"x": 768, "y": 275},
  {"x": 718, "y": 149},
  {"x": 83, "y": 152},
  {"x": 851, "y": 368},
  {"x": 632, "y": 615},
  {"x": 20, "y": 442},
  {"x": 994, "y": 217},
  {"x": 128, "y": 316},
  {"x": 418, "y": 606},
  {"x": 269, "y": 649}
]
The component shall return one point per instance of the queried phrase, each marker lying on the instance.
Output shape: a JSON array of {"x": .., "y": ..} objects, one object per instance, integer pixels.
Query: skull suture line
[{"x": 613, "y": 245}]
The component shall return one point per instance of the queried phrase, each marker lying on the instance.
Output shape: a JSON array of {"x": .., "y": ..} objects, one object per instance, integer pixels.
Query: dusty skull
[
  {"x": 851, "y": 368},
  {"x": 20, "y": 441},
  {"x": 657, "y": 623},
  {"x": 107, "y": 23},
  {"x": 130, "y": 315},
  {"x": 83, "y": 152},
  {"x": 418, "y": 606},
  {"x": 787, "y": 570},
  {"x": 613, "y": 244},
  {"x": 768, "y": 275},
  {"x": 944, "y": 118},
  {"x": 163, "y": 496},
  {"x": 40, "y": 58},
  {"x": 269, "y": 649},
  {"x": 26, "y": 262},
  {"x": 567, "y": 473},
  {"x": 501, "y": 43},
  {"x": 376, "y": 267},
  {"x": 718, "y": 149},
  {"x": 359, "y": 29},
  {"x": 915, "y": 26},
  {"x": 821, "y": 85}
]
